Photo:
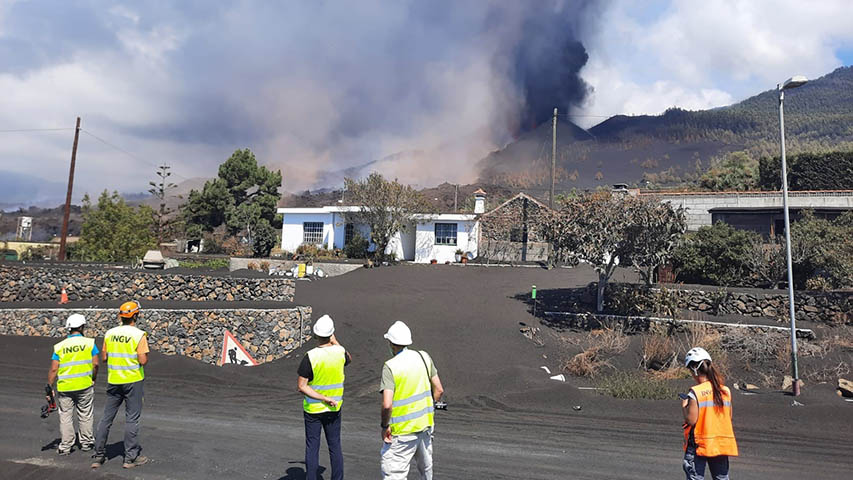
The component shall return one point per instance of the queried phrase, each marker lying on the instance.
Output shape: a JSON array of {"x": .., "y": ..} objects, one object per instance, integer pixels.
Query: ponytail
[{"x": 707, "y": 369}]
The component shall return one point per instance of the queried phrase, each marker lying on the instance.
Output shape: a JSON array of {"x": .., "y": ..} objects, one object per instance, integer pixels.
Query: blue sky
[{"x": 319, "y": 86}]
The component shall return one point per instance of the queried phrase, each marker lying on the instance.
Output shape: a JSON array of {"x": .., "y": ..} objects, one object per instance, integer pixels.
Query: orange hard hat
[{"x": 128, "y": 309}]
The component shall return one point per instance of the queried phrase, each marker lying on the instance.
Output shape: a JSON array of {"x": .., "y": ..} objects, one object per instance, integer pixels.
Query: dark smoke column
[{"x": 548, "y": 60}]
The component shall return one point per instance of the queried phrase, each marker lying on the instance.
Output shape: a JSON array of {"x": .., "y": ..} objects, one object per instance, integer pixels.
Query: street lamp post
[{"x": 792, "y": 82}]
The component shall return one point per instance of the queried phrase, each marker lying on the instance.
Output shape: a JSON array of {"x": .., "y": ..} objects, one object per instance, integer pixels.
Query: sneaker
[
  {"x": 139, "y": 460},
  {"x": 86, "y": 448},
  {"x": 98, "y": 460},
  {"x": 63, "y": 453}
]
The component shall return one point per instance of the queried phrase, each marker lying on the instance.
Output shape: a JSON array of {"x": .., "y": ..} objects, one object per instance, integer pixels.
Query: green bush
[
  {"x": 823, "y": 248},
  {"x": 635, "y": 385},
  {"x": 264, "y": 239},
  {"x": 357, "y": 247},
  {"x": 809, "y": 171},
  {"x": 736, "y": 171},
  {"x": 716, "y": 255},
  {"x": 213, "y": 263}
]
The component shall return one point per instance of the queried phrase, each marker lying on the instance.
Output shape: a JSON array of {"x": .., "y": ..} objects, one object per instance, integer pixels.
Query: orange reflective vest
[{"x": 712, "y": 435}]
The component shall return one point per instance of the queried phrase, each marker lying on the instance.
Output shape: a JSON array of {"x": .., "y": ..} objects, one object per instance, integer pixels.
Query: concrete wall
[
  {"x": 467, "y": 233},
  {"x": 266, "y": 334},
  {"x": 330, "y": 269},
  {"x": 21, "y": 283},
  {"x": 699, "y": 205}
]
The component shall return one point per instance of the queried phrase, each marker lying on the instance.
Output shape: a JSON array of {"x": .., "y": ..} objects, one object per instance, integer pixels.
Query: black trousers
[{"x": 329, "y": 422}]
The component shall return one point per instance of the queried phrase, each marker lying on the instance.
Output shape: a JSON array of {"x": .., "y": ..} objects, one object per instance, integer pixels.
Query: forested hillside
[{"x": 678, "y": 146}]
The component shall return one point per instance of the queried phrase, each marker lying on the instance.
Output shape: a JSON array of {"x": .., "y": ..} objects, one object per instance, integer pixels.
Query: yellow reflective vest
[
  {"x": 412, "y": 410},
  {"x": 75, "y": 363},
  {"x": 327, "y": 364},
  {"x": 120, "y": 344}
]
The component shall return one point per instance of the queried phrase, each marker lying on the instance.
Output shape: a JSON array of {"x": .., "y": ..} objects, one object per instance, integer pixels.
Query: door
[{"x": 407, "y": 239}]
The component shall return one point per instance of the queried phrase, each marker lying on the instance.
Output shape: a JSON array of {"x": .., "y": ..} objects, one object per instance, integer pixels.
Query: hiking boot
[
  {"x": 139, "y": 460},
  {"x": 98, "y": 460},
  {"x": 86, "y": 448},
  {"x": 63, "y": 453}
]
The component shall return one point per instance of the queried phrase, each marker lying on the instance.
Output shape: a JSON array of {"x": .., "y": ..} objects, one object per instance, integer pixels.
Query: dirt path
[{"x": 506, "y": 419}]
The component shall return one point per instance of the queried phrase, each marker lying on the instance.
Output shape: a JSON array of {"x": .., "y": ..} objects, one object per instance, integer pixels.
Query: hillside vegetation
[{"x": 680, "y": 146}]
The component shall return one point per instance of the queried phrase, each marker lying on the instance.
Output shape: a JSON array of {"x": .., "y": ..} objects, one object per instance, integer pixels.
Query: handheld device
[
  {"x": 50, "y": 406},
  {"x": 441, "y": 405}
]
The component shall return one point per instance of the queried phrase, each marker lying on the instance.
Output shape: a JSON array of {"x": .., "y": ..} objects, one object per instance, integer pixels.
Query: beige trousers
[
  {"x": 81, "y": 401},
  {"x": 397, "y": 455}
]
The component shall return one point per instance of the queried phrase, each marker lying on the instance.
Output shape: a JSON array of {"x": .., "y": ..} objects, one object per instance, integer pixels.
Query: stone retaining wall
[
  {"x": 636, "y": 324},
  {"x": 30, "y": 283},
  {"x": 834, "y": 308},
  {"x": 266, "y": 334}
]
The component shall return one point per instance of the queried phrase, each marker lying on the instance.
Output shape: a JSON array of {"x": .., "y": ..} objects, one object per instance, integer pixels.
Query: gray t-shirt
[{"x": 388, "y": 377}]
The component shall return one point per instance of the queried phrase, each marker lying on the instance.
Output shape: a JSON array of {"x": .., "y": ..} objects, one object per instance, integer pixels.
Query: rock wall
[
  {"x": 634, "y": 324},
  {"x": 266, "y": 334},
  {"x": 37, "y": 283},
  {"x": 834, "y": 308}
]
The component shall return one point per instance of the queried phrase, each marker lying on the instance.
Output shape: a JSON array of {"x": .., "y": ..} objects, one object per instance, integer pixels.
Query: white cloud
[{"x": 708, "y": 54}]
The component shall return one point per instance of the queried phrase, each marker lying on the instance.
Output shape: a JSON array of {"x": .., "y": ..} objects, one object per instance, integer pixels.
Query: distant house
[
  {"x": 429, "y": 237},
  {"x": 757, "y": 211}
]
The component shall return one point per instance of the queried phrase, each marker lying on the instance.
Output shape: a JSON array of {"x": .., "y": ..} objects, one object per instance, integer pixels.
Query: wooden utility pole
[
  {"x": 553, "y": 157},
  {"x": 67, "y": 213}
]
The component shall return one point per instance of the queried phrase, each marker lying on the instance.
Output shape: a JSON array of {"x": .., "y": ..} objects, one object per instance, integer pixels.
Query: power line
[
  {"x": 126, "y": 152},
  {"x": 19, "y": 130}
]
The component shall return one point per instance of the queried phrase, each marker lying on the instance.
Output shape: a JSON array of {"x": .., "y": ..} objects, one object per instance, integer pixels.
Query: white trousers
[{"x": 397, "y": 455}]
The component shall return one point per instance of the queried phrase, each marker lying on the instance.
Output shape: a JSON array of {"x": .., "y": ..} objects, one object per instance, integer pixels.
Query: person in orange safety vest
[{"x": 709, "y": 438}]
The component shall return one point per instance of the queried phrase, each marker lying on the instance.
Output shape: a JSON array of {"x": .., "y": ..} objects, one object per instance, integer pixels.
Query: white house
[{"x": 430, "y": 237}]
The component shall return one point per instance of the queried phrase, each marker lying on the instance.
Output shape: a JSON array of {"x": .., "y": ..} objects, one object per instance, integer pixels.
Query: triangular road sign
[{"x": 233, "y": 352}]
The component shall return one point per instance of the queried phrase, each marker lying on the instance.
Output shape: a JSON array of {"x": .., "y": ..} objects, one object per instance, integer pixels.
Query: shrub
[
  {"x": 311, "y": 251},
  {"x": 809, "y": 171},
  {"x": 658, "y": 352},
  {"x": 264, "y": 239},
  {"x": 252, "y": 266},
  {"x": 665, "y": 302},
  {"x": 585, "y": 364},
  {"x": 627, "y": 300},
  {"x": 601, "y": 345},
  {"x": 609, "y": 340},
  {"x": 818, "y": 283},
  {"x": 716, "y": 255},
  {"x": 213, "y": 244},
  {"x": 357, "y": 247},
  {"x": 265, "y": 266},
  {"x": 213, "y": 263},
  {"x": 635, "y": 385}
]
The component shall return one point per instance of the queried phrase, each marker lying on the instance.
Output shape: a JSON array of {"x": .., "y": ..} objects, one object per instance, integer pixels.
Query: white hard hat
[
  {"x": 696, "y": 354},
  {"x": 399, "y": 334},
  {"x": 75, "y": 320},
  {"x": 324, "y": 327}
]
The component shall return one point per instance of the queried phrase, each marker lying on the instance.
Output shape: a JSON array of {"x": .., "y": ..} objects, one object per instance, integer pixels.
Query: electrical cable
[
  {"x": 19, "y": 130},
  {"x": 127, "y": 153}
]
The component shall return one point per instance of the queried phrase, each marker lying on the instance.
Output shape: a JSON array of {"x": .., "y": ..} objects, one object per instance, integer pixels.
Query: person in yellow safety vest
[
  {"x": 125, "y": 353},
  {"x": 709, "y": 438},
  {"x": 74, "y": 368},
  {"x": 321, "y": 381},
  {"x": 410, "y": 387}
]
